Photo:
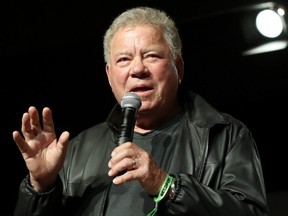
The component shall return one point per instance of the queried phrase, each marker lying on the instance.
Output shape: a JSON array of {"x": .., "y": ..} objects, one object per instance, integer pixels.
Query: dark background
[{"x": 51, "y": 55}]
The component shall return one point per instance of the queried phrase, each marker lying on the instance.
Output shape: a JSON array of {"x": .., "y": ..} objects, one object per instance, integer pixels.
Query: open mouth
[{"x": 141, "y": 89}]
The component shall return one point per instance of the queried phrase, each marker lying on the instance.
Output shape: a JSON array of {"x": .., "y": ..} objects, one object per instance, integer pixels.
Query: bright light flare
[{"x": 269, "y": 23}]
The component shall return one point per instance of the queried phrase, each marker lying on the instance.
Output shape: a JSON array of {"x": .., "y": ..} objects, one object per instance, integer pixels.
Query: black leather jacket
[{"x": 216, "y": 163}]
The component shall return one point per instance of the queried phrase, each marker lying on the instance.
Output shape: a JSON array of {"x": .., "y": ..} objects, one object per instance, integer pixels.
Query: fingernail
[{"x": 115, "y": 180}]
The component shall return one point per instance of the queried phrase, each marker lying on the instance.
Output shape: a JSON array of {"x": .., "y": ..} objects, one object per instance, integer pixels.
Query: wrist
[
  {"x": 163, "y": 193},
  {"x": 41, "y": 187},
  {"x": 172, "y": 190}
]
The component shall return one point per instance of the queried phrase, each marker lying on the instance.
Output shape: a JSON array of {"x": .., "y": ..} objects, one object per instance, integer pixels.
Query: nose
[{"x": 138, "y": 68}]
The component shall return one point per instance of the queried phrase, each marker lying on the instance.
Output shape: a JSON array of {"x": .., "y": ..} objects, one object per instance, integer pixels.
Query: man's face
[{"x": 141, "y": 62}]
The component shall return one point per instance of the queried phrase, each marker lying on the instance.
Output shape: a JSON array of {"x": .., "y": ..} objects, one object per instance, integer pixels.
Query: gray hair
[{"x": 142, "y": 16}]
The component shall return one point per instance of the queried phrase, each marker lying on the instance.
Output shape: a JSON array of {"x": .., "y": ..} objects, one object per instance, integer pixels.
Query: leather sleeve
[
  {"x": 31, "y": 203},
  {"x": 232, "y": 186}
]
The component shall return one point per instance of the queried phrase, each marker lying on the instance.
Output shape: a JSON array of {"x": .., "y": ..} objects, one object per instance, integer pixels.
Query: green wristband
[{"x": 163, "y": 191}]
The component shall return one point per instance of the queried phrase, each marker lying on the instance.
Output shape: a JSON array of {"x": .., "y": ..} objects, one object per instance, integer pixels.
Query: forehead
[{"x": 139, "y": 31}]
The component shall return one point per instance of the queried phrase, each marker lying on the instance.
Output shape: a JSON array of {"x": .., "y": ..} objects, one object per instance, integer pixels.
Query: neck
[{"x": 149, "y": 121}]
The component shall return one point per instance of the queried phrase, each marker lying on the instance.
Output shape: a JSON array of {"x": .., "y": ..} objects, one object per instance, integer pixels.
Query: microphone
[{"x": 130, "y": 104}]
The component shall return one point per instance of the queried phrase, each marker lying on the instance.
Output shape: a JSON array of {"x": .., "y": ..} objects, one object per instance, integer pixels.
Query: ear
[
  {"x": 108, "y": 73},
  {"x": 180, "y": 68}
]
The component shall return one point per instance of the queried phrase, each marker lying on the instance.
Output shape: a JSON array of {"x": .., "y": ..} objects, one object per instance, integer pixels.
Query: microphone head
[{"x": 131, "y": 100}]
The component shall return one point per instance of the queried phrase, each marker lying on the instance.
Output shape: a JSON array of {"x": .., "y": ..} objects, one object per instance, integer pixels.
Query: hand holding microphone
[
  {"x": 147, "y": 172},
  {"x": 130, "y": 104}
]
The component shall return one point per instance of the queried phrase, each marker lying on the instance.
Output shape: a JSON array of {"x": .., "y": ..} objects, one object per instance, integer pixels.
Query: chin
[{"x": 146, "y": 107}]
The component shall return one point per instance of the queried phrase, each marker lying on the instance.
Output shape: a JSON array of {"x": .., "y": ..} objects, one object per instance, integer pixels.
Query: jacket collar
[{"x": 199, "y": 112}]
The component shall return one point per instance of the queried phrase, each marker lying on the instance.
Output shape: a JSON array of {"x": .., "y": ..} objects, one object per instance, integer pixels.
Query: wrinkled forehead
[
  {"x": 144, "y": 35},
  {"x": 132, "y": 25}
]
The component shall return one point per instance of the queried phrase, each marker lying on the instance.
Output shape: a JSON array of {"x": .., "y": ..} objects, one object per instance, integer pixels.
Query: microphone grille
[{"x": 131, "y": 100}]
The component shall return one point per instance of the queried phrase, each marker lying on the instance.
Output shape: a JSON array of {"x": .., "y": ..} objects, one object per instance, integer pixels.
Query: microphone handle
[{"x": 127, "y": 126}]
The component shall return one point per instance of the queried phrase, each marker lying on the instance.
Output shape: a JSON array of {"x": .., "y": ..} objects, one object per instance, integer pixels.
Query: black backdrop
[{"x": 51, "y": 55}]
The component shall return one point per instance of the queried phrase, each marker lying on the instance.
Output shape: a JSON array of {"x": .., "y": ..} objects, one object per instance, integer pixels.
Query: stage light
[
  {"x": 264, "y": 28},
  {"x": 269, "y": 23}
]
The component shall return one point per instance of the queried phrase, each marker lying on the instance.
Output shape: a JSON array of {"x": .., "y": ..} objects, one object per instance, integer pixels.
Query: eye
[
  {"x": 152, "y": 55},
  {"x": 123, "y": 59}
]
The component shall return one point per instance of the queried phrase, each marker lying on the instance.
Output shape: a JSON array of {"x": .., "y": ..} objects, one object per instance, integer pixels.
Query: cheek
[
  {"x": 116, "y": 77},
  {"x": 168, "y": 84},
  {"x": 117, "y": 82},
  {"x": 167, "y": 78}
]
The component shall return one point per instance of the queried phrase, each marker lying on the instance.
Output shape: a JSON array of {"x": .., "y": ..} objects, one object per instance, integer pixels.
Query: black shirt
[{"x": 130, "y": 198}]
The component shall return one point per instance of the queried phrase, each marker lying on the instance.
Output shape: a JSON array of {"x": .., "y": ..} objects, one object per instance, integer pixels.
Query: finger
[
  {"x": 125, "y": 150},
  {"x": 63, "y": 141},
  {"x": 127, "y": 176},
  {"x": 127, "y": 145},
  {"x": 123, "y": 165},
  {"x": 35, "y": 123},
  {"x": 48, "y": 124},
  {"x": 30, "y": 123},
  {"x": 21, "y": 143},
  {"x": 119, "y": 156},
  {"x": 26, "y": 128},
  {"x": 134, "y": 164}
]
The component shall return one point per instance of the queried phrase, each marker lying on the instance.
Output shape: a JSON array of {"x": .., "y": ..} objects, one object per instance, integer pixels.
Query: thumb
[{"x": 63, "y": 141}]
